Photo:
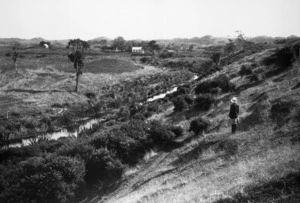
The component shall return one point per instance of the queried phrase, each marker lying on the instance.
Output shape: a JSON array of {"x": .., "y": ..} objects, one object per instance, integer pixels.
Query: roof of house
[{"x": 137, "y": 48}]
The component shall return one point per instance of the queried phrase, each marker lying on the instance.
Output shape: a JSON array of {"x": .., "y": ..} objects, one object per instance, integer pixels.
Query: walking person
[{"x": 234, "y": 114}]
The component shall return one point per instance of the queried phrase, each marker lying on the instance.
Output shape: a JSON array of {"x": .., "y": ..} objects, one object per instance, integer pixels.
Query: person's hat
[{"x": 233, "y": 100}]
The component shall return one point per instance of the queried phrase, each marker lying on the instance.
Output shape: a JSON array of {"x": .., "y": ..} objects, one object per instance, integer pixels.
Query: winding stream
[{"x": 87, "y": 125}]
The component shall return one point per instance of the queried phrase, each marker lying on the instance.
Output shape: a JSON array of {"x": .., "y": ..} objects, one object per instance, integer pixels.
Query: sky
[{"x": 147, "y": 19}]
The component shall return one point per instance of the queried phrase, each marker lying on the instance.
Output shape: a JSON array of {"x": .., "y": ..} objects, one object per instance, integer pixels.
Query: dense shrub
[
  {"x": 199, "y": 125},
  {"x": 221, "y": 82},
  {"x": 79, "y": 148},
  {"x": 129, "y": 141},
  {"x": 166, "y": 54},
  {"x": 39, "y": 179},
  {"x": 145, "y": 60},
  {"x": 90, "y": 95},
  {"x": 280, "y": 110},
  {"x": 177, "y": 130},
  {"x": 282, "y": 59},
  {"x": 245, "y": 70},
  {"x": 180, "y": 104},
  {"x": 19, "y": 153},
  {"x": 103, "y": 165},
  {"x": 204, "y": 102},
  {"x": 215, "y": 90},
  {"x": 159, "y": 134},
  {"x": 216, "y": 57},
  {"x": 66, "y": 120}
]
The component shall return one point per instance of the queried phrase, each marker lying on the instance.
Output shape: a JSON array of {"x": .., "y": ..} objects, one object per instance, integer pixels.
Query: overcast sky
[{"x": 147, "y": 19}]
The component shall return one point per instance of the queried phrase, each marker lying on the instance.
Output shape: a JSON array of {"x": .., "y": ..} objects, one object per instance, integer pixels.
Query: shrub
[
  {"x": 104, "y": 166},
  {"x": 49, "y": 179},
  {"x": 199, "y": 125},
  {"x": 159, "y": 134},
  {"x": 216, "y": 90},
  {"x": 222, "y": 82},
  {"x": 216, "y": 57},
  {"x": 90, "y": 95},
  {"x": 177, "y": 130},
  {"x": 19, "y": 154},
  {"x": 280, "y": 110},
  {"x": 76, "y": 148},
  {"x": 180, "y": 104},
  {"x": 282, "y": 59},
  {"x": 204, "y": 102},
  {"x": 245, "y": 70},
  {"x": 145, "y": 60},
  {"x": 166, "y": 54}
]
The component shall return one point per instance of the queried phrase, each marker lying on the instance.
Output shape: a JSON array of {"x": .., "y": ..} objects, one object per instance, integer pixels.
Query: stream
[{"x": 87, "y": 125}]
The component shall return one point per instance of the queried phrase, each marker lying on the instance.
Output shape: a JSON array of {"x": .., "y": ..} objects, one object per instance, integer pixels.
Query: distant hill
[
  {"x": 202, "y": 41},
  {"x": 100, "y": 38}
]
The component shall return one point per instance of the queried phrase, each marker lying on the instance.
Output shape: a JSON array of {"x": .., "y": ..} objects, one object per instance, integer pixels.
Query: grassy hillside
[{"x": 260, "y": 163}]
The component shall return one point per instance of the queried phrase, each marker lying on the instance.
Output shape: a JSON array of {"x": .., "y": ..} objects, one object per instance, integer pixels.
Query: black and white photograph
[{"x": 149, "y": 101}]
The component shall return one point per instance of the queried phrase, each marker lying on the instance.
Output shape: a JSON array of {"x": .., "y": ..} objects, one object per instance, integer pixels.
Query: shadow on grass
[
  {"x": 284, "y": 190},
  {"x": 249, "y": 85},
  {"x": 229, "y": 147},
  {"x": 139, "y": 184}
]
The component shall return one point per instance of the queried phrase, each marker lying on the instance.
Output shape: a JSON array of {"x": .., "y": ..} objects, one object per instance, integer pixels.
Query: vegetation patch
[
  {"x": 110, "y": 65},
  {"x": 204, "y": 102},
  {"x": 222, "y": 82},
  {"x": 199, "y": 125},
  {"x": 280, "y": 111}
]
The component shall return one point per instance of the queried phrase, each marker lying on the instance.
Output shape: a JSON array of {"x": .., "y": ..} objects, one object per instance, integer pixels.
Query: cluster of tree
[
  {"x": 53, "y": 171},
  {"x": 120, "y": 44}
]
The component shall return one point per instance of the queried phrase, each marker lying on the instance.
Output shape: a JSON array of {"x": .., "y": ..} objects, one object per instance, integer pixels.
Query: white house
[
  {"x": 138, "y": 50},
  {"x": 46, "y": 46}
]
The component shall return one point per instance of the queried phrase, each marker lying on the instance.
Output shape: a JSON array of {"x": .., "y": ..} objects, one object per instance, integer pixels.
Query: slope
[{"x": 260, "y": 163}]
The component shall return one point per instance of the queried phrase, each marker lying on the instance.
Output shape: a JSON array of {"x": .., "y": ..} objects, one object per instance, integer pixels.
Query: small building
[
  {"x": 138, "y": 50},
  {"x": 46, "y": 46}
]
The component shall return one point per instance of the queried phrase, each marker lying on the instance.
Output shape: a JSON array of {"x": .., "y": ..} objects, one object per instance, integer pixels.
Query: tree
[
  {"x": 153, "y": 46},
  {"x": 14, "y": 57},
  {"x": 78, "y": 48},
  {"x": 119, "y": 43},
  {"x": 216, "y": 57}
]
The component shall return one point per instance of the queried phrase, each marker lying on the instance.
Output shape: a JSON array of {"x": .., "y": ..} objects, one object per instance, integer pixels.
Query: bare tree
[
  {"x": 78, "y": 48},
  {"x": 14, "y": 57}
]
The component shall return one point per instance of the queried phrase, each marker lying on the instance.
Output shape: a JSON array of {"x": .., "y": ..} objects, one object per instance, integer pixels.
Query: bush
[
  {"x": 204, "y": 102},
  {"x": 38, "y": 179},
  {"x": 19, "y": 154},
  {"x": 159, "y": 134},
  {"x": 216, "y": 90},
  {"x": 145, "y": 60},
  {"x": 180, "y": 104},
  {"x": 166, "y": 54},
  {"x": 222, "y": 82},
  {"x": 90, "y": 95},
  {"x": 129, "y": 141},
  {"x": 280, "y": 110},
  {"x": 177, "y": 130},
  {"x": 199, "y": 125},
  {"x": 282, "y": 59},
  {"x": 245, "y": 70},
  {"x": 104, "y": 166}
]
